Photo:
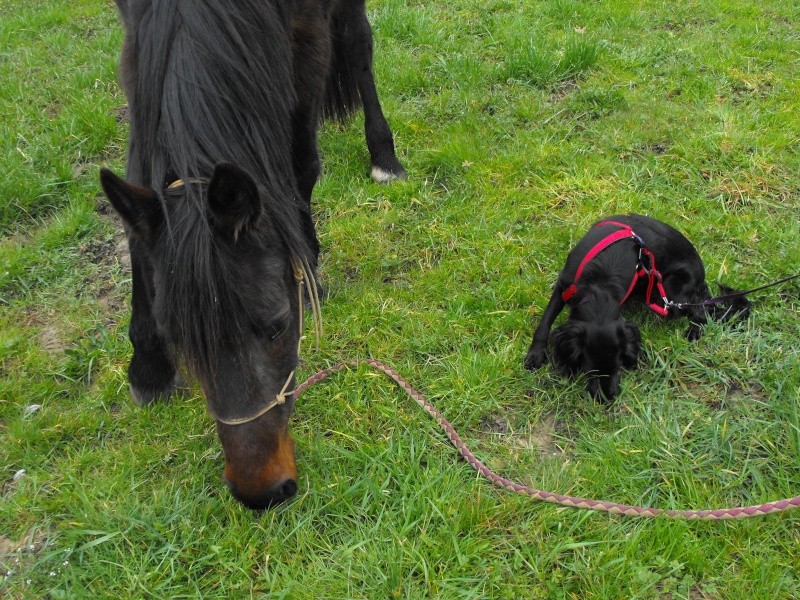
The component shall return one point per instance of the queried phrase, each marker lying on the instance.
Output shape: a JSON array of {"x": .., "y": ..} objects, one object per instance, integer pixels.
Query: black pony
[{"x": 225, "y": 99}]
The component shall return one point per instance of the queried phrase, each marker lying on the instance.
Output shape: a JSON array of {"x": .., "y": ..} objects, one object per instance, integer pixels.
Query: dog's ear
[
  {"x": 629, "y": 343},
  {"x": 568, "y": 343}
]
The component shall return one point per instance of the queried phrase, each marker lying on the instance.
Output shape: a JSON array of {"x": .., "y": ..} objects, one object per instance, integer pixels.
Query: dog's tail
[{"x": 732, "y": 304}]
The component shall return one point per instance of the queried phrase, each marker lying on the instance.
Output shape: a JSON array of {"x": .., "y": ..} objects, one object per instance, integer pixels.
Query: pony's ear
[
  {"x": 138, "y": 206},
  {"x": 233, "y": 199},
  {"x": 629, "y": 342},
  {"x": 568, "y": 342}
]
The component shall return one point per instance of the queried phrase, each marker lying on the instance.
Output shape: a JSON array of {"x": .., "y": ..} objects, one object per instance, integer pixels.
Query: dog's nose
[
  {"x": 594, "y": 389},
  {"x": 604, "y": 389}
]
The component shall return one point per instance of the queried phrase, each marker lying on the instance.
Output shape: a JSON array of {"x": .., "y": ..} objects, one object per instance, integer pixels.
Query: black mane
[{"x": 211, "y": 81}]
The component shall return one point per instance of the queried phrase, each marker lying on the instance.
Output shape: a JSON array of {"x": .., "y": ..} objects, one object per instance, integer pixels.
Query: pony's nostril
[
  {"x": 278, "y": 493},
  {"x": 287, "y": 489}
]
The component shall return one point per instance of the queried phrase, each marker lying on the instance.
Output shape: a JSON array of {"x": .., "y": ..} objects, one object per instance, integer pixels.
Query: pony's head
[{"x": 226, "y": 294}]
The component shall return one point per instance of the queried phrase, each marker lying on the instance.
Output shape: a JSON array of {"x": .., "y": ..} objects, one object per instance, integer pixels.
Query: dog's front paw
[
  {"x": 535, "y": 358},
  {"x": 694, "y": 333}
]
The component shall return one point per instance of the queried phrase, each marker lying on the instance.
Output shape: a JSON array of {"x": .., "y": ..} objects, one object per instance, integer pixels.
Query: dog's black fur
[{"x": 596, "y": 340}]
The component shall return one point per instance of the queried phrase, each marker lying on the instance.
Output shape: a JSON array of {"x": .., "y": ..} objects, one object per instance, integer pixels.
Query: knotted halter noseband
[{"x": 302, "y": 273}]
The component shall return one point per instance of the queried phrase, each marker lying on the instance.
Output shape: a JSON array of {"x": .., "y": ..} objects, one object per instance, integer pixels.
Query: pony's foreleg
[
  {"x": 151, "y": 372},
  {"x": 310, "y": 84},
  {"x": 310, "y": 59},
  {"x": 305, "y": 152}
]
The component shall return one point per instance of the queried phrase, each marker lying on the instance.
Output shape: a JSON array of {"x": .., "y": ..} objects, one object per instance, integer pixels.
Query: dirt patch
[
  {"x": 736, "y": 394},
  {"x": 494, "y": 424},
  {"x": 747, "y": 85},
  {"x": 789, "y": 295},
  {"x": 17, "y": 556},
  {"x": 123, "y": 254},
  {"x": 50, "y": 336},
  {"x": 562, "y": 89},
  {"x": 107, "y": 253},
  {"x": 12, "y": 552},
  {"x": 122, "y": 114},
  {"x": 52, "y": 109},
  {"x": 677, "y": 26},
  {"x": 98, "y": 251},
  {"x": 547, "y": 437},
  {"x": 658, "y": 147},
  {"x": 750, "y": 392},
  {"x": 111, "y": 301},
  {"x": 120, "y": 243},
  {"x": 51, "y": 340}
]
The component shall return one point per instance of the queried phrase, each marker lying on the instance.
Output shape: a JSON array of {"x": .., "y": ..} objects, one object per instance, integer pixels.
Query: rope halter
[{"x": 302, "y": 274}]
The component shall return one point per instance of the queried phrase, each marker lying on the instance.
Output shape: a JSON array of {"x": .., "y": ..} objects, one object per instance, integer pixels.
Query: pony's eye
[
  {"x": 274, "y": 325},
  {"x": 276, "y": 329}
]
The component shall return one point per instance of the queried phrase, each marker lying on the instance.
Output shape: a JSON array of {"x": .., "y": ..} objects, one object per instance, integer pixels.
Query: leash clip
[{"x": 673, "y": 304}]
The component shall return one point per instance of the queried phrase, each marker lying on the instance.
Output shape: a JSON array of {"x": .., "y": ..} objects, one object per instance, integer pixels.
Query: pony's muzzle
[
  {"x": 275, "y": 494},
  {"x": 263, "y": 481}
]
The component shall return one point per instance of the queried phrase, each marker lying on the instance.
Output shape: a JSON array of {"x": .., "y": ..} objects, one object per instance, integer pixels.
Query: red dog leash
[
  {"x": 569, "y": 501},
  {"x": 654, "y": 280}
]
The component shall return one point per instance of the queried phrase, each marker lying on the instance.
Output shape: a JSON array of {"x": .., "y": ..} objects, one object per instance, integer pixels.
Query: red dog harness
[{"x": 642, "y": 270}]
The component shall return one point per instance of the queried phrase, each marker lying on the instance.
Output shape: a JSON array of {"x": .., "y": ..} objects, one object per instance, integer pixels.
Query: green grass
[{"x": 520, "y": 123}]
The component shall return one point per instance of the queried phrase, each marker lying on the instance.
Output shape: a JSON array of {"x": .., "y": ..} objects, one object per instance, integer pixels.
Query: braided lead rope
[{"x": 569, "y": 501}]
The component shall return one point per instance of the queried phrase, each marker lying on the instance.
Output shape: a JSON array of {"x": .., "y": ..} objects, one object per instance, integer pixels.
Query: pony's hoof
[
  {"x": 142, "y": 397},
  {"x": 380, "y": 175}
]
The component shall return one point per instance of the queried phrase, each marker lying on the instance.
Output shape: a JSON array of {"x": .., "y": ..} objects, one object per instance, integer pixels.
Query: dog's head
[{"x": 599, "y": 350}]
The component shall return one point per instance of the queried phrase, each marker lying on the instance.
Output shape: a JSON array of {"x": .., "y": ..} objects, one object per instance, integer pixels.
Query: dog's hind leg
[{"x": 537, "y": 351}]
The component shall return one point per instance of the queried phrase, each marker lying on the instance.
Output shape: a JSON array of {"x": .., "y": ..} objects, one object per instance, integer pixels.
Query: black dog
[{"x": 622, "y": 257}]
